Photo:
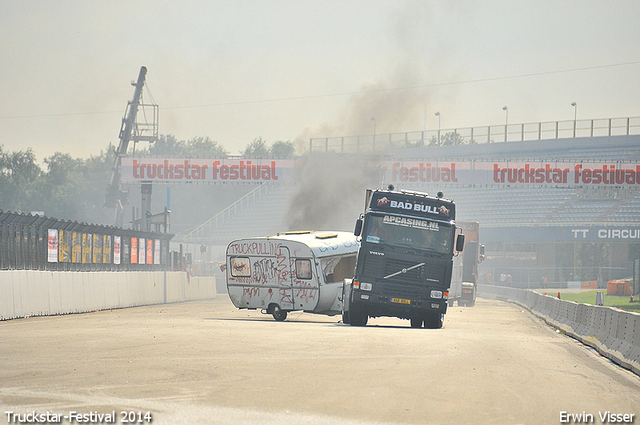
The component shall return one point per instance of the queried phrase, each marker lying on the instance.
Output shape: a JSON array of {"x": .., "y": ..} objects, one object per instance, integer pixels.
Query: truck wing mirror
[
  {"x": 358, "y": 228},
  {"x": 460, "y": 243}
]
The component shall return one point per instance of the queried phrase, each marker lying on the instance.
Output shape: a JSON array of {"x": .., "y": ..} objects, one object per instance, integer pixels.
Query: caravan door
[
  {"x": 334, "y": 271},
  {"x": 271, "y": 275},
  {"x": 284, "y": 283}
]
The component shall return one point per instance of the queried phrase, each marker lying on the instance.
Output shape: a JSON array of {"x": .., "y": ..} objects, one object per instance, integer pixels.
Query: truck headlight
[
  {"x": 366, "y": 286},
  {"x": 436, "y": 294}
]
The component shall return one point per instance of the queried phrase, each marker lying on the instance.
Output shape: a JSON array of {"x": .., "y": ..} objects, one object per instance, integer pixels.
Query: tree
[
  {"x": 283, "y": 149},
  {"x": 257, "y": 148},
  {"x": 448, "y": 139},
  {"x": 204, "y": 146},
  {"x": 73, "y": 189},
  {"x": 168, "y": 145},
  {"x": 19, "y": 175}
]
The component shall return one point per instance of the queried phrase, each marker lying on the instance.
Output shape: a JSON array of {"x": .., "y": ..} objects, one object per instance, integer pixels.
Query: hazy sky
[{"x": 285, "y": 70}]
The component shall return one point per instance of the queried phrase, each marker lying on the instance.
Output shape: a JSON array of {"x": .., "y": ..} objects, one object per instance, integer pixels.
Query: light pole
[
  {"x": 424, "y": 130},
  {"x": 438, "y": 115},
  {"x": 506, "y": 121},
  {"x": 575, "y": 117},
  {"x": 374, "y": 132}
]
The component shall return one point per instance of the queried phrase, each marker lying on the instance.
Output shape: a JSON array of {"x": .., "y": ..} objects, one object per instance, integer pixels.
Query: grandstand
[
  {"x": 522, "y": 226},
  {"x": 495, "y": 206}
]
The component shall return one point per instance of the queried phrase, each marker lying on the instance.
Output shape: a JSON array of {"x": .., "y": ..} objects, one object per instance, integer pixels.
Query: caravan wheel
[{"x": 278, "y": 313}]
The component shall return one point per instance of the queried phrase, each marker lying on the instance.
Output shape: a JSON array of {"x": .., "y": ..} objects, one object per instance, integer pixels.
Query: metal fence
[
  {"x": 34, "y": 242},
  {"x": 485, "y": 134}
]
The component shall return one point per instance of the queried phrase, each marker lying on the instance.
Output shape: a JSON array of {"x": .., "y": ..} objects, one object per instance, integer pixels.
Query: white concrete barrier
[
  {"x": 25, "y": 293},
  {"x": 614, "y": 333}
]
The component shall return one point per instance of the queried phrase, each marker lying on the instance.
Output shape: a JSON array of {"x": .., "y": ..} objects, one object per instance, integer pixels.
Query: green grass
[{"x": 589, "y": 297}]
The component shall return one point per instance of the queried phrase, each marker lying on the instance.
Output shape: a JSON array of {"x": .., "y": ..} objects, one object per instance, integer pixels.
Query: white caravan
[{"x": 291, "y": 271}]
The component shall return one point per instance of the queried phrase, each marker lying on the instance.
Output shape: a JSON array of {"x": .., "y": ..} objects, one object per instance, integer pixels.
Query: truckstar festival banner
[
  {"x": 205, "y": 171},
  {"x": 397, "y": 172},
  {"x": 531, "y": 173}
]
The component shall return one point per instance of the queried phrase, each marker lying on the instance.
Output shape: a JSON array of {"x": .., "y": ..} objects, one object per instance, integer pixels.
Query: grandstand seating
[
  {"x": 264, "y": 210},
  {"x": 259, "y": 213}
]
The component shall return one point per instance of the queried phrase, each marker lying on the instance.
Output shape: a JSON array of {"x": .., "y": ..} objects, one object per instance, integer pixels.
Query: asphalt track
[{"x": 208, "y": 363}]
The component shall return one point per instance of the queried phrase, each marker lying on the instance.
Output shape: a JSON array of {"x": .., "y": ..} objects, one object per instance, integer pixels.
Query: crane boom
[{"x": 116, "y": 198}]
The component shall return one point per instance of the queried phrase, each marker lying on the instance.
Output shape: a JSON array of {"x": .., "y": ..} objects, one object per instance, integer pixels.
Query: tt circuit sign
[{"x": 588, "y": 233}]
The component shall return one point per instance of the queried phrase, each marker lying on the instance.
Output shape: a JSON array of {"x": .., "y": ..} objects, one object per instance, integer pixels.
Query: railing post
[
  {"x": 609, "y": 126},
  {"x": 591, "y": 128},
  {"x": 489, "y": 134},
  {"x": 557, "y": 125},
  {"x": 539, "y": 131}
]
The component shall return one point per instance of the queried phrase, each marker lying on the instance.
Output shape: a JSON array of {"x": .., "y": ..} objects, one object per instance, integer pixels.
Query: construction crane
[{"x": 131, "y": 130}]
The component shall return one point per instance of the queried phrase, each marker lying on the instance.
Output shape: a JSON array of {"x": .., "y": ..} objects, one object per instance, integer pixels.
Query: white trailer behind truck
[
  {"x": 292, "y": 271},
  {"x": 464, "y": 279}
]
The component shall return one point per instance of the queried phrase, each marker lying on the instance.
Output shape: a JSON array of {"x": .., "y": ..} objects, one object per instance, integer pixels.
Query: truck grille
[{"x": 417, "y": 277}]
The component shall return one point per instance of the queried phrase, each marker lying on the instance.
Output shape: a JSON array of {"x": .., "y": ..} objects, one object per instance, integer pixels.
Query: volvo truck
[{"x": 403, "y": 268}]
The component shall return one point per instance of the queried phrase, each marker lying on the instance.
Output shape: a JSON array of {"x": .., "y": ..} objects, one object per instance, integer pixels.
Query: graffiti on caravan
[{"x": 204, "y": 171}]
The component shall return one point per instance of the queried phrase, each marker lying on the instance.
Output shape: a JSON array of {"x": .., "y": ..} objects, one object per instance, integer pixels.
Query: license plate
[{"x": 400, "y": 301}]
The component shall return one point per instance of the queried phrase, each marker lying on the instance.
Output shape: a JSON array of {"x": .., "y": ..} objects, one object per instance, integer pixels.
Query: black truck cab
[{"x": 404, "y": 263}]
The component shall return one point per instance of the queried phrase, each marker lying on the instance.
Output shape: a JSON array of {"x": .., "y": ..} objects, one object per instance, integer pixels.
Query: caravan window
[
  {"x": 303, "y": 269},
  {"x": 336, "y": 269},
  {"x": 240, "y": 267}
]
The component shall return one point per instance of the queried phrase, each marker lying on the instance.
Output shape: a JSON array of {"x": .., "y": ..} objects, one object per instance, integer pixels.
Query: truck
[
  {"x": 404, "y": 263},
  {"x": 464, "y": 279},
  {"x": 291, "y": 271}
]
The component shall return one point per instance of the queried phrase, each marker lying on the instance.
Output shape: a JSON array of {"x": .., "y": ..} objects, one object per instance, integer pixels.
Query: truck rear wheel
[
  {"x": 278, "y": 313},
  {"x": 416, "y": 322},
  {"x": 433, "y": 321},
  {"x": 357, "y": 317}
]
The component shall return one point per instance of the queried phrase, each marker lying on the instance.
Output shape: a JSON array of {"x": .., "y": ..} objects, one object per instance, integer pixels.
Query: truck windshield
[{"x": 412, "y": 232}]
